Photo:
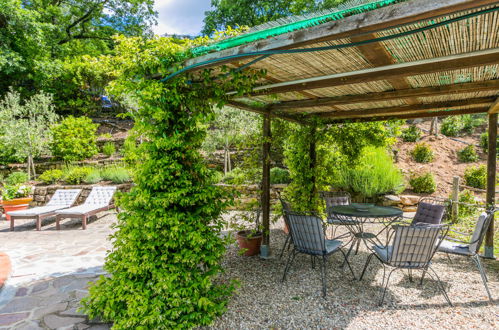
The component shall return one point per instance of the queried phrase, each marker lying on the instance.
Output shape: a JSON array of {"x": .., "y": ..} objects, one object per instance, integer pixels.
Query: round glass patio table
[{"x": 356, "y": 216}]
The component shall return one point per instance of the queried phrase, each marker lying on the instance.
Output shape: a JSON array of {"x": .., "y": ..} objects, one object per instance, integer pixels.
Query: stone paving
[{"x": 50, "y": 272}]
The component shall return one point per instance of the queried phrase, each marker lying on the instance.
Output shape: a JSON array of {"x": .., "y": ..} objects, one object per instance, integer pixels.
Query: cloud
[{"x": 180, "y": 16}]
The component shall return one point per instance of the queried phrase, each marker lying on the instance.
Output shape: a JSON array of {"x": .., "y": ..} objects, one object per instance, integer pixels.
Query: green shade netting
[{"x": 296, "y": 23}]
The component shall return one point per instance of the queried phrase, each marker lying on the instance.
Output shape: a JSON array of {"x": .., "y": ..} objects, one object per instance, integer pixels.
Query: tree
[
  {"x": 38, "y": 38},
  {"x": 230, "y": 128},
  {"x": 25, "y": 127},
  {"x": 254, "y": 12}
]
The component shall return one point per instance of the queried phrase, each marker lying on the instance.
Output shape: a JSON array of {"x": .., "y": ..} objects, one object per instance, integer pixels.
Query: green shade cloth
[{"x": 371, "y": 212}]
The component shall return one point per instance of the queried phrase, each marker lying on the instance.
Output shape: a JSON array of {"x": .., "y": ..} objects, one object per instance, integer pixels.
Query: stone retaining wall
[{"x": 42, "y": 194}]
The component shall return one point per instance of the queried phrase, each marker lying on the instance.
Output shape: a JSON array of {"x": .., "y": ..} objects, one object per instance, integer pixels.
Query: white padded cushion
[
  {"x": 64, "y": 197},
  {"x": 61, "y": 199},
  {"x": 36, "y": 211},
  {"x": 98, "y": 198}
]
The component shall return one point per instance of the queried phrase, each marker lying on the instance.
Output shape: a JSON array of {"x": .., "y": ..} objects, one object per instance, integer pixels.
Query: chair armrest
[{"x": 455, "y": 240}]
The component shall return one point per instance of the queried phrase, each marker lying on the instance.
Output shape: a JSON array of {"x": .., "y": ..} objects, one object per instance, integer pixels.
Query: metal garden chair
[
  {"x": 309, "y": 238},
  {"x": 334, "y": 198},
  {"x": 431, "y": 210},
  {"x": 471, "y": 248},
  {"x": 412, "y": 247}
]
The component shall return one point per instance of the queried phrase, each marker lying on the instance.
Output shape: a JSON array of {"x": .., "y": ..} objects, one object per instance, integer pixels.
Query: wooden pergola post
[
  {"x": 491, "y": 175},
  {"x": 265, "y": 250}
]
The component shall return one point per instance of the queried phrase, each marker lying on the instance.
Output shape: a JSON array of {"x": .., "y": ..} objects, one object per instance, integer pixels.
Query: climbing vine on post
[{"x": 166, "y": 252}]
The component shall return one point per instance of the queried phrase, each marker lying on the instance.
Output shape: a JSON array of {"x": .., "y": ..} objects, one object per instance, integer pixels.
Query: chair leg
[
  {"x": 476, "y": 258},
  {"x": 11, "y": 223},
  {"x": 291, "y": 258},
  {"x": 348, "y": 264},
  {"x": 422, "y": 276},
  {"x": 357, "y": 248},
  {"x": 410, "y": 275},
  {"x": 385, "y": 287},
  {"x": 448, "y": 258},
  {"x": 312, "y": 260},
  {"x": 354, "y": 240},
  {"x": 284, "y": 247},
  {"x": 440, "y": 285},
  {"x": 365, "y": 266},
  {"x": 84, "y": 222},
  {"x": 58, "y": 222},
  {"x": 323, "y": 274},
  {"x": 38, "y": 223}
]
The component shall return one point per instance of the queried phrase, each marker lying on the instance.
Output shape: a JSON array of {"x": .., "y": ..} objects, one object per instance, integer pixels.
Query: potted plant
[
  {"x": 248, "y": 239},
  {"x": 15, "y": 197}
]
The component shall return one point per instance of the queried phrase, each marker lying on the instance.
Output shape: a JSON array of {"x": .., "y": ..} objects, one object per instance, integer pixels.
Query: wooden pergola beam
[
  {"x": 409, "y": 109},
  {"x": 355, "y": 25},
  {"x": 389, "y": 95},
  {"x": 439, "y": 64},
  {"x": 495, "y": 107},
  {"x": 426, "y": 114}
]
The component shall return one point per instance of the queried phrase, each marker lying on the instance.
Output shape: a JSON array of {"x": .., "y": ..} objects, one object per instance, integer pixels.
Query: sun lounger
[
  {"x": 62, "y": 198},
  {"x": 99, "y": 200}
]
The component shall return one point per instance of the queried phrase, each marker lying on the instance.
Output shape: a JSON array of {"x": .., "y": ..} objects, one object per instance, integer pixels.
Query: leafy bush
[
  {"x": 373, "y": 175},
  {"x": 236, "y": 176},
  {"x": 105, "y": 136},
  {"x": 423, "y": 184},
  {"x": 74, "y": 139},
  {"x": 108, "y": 149},
  {"x": 115, "y": 174},
  {"x": 470, "y": 122},
  {"x": 16, "y": 178},
  {"x": 76, "y": 175},
  {"x": 476, "y": 177},
  {"x": 9, "y": 192},
  {"x": 279, "y": 175},
  {"x": 468, "y": 207},
  {"x": 484, "y": 142},
  {"x": 93, "y": 177},
  {"x": 467, "y": 155},
  {"x": 422, "y": 153},
  {"x": 51, "y": 176},
  {"x": 451, "y": 126},
  {"x": 411, "y": 134}
]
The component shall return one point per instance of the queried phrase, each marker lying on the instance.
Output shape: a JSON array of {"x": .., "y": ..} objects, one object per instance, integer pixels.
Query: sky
[{"x": 180, "y": 16}]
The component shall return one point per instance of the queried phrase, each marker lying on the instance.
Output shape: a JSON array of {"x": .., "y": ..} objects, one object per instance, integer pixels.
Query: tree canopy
[
  {"x": 37, "y": 37},
  {"x": 234, "y": 13}
]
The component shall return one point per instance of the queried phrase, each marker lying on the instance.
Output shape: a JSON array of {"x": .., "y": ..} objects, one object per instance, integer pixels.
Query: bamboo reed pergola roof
[{"x": 398, "y": 60}]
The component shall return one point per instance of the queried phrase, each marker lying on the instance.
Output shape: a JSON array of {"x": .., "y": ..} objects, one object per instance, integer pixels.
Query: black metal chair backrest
[
  {"x": 333, "y": 198},
  {"x": 308, "y": 233},
  {"x": 431, "y": 210},
  {"x": 481, "y": 227},
  {"x": 414, "y": 246}
]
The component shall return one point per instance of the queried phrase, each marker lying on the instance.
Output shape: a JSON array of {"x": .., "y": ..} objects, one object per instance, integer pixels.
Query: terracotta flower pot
[
  {"x": 249, "y": 241},
  {"x": 16, "y": 204}
]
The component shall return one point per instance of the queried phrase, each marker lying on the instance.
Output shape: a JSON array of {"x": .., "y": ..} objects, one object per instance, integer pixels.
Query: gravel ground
[{"x": 262, "y": 301}]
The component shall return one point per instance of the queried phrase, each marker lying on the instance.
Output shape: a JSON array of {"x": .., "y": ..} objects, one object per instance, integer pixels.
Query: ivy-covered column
[
  {"x": 491, "y": 181},
  {"x": 313, "y": 162},
  {"x": 267, "y": 137}
]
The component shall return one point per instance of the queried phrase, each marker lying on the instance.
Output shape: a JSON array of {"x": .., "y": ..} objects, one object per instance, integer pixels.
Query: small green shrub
[
  {"x": 108, "y": 149},
  {"x": 74, "y": 139},
  {"x": 93, "y": 177},
  {"x": 217, "y": 177},
  {"x": 484, "y": 142},
  {"x": 236, "y": 176},
  {"x": 279, "y": 176},
  {"x": 374, "y": 174},
  {"x": 422, "y": 153},
  {"x": 115, "y": 174},
  {"x": 468, "y": 207},
  {"x": 16, "y": 178},
  {"x": 451, "y": 126},
  {"x": 76, "y": 175},
  {"x": 51, "y": 176},
  {"x": 423, "y": 184},
  {"x": 9, "y": 192},
  {"x": 411, "y": 134},
  {"x": 467, "y": 155},
  {"x": 476, "y": 177}
]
